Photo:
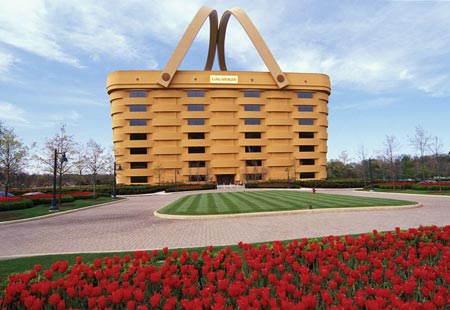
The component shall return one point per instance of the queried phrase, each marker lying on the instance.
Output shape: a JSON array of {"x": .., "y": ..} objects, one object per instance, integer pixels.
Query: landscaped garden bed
[{"x": 393, "y": 270}]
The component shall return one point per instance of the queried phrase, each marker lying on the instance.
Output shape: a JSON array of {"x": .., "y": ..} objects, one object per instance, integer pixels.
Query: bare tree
[
  {"x": 421, "y": 144},
  {"x": 64, "y": 144},
  {"x": 391, "y": 147},
  {"x": 96, "y": 161},
  {"x": 79, "y": 164},
  {"x": 343, "y": 157},
  {"x": 158, "y": 171},
  {"x": 12, "y": 154},
  {"x": 436, "y": 149}
]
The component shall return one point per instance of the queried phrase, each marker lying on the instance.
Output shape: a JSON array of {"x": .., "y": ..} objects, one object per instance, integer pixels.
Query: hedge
[
  {"x": 139, "y": 189},
  {"x": 42, "y": 201},
  {"x": 16, "y": 205},
  {"x": 191, "y": 187},
  {"x": 350, "y": 183}
]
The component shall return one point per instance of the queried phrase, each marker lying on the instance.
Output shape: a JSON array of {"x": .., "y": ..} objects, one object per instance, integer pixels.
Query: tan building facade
[{"x": 231, "y": 127}]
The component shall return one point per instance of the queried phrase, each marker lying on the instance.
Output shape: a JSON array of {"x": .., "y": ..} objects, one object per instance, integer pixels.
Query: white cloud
[
  {"x": 378, "y": 103},
  {"x": 7, "y": 61},
  {"x": 13, "y": 113}
]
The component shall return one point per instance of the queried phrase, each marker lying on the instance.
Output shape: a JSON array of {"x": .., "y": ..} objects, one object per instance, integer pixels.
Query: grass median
[
  {"x": 269, "y": 201},
  {"x": 40, "y": 210}
]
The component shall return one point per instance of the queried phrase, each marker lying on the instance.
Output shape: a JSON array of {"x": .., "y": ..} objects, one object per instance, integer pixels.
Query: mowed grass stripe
[{"x": 267, "y": 201}]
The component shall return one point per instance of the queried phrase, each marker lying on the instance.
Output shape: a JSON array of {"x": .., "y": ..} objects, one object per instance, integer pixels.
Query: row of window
[
  {"x": 201, "y": 149},
  {"x": 201, "y": 135},
  {"x": 201, "y": 93},
  {"x": 201, "y": 121},
  {"x": 199, "y": 107}
]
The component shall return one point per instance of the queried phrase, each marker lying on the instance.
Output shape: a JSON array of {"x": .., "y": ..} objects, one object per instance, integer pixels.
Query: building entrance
[{"x": 225, "y": 179}]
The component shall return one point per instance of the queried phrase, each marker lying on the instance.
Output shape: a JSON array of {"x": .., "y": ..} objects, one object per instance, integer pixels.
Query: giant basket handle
[
  {"x": 186, "y": 41},
  {"x": 257, "y": 40}
]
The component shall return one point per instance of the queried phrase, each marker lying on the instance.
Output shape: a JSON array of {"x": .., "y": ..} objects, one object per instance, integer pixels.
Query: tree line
[
  {"x": 87, "y": 163},
  {"x": 430, "y": 161}
]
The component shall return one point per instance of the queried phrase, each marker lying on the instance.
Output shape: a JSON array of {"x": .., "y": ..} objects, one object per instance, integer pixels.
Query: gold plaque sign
[{"x": 223, "y": 79}]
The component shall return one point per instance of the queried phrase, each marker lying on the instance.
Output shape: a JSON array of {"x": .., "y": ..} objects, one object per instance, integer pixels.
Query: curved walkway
[{"x": 131, "y": 225}]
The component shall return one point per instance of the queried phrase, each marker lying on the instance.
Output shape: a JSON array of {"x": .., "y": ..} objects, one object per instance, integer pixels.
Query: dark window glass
[
  {"x": 138, "y": 122},
  {"x": 305, "y": 108},
  {"x": 252, "y": 135},
  {"x": 307, "y": 175},
  {"x": 138, "y": 108},
  {"x": 306, "y": 121},
  {"x": 306, "y": 135},
  {"x": 305, "y": 94},
  {"x": 253, "y": 163},
  {"x": 138, "y": 150},
  {"x": 138, "y": 93},
  {"x": 196, "y": 93},
  {"x": 138, "y": 136},
  {"x": 252, "y": 107},
  {"x": 196, "y": 135},
  {"x": 196, "y": 107},
  {"x": 307, "y": 162},
  {"x": 196, "y": 121},
  {"x": 252, "y": 121},
  {"x": 253, "y": 149},
  {"x": 138, "y": 165},
  {"x": 252, "y": 93},
  {"x": 197, "y": 164},
  {"x": 197, "y": 178},
  {"x": 254, "y": 176},
  {"x": 306, "y": 148},
  {"x": 138, "y": 179},
  {"x": 196, "y": 149}
]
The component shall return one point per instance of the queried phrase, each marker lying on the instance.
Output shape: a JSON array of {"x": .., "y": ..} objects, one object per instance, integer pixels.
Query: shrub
[
  {"x": 139, "y": 189},
  {"x": 191, "y": 187},
  {"x": 47, "y": 200},
  {"x": 16, "y": 204}
]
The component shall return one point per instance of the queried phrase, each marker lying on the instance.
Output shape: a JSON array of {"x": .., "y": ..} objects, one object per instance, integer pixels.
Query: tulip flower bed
[{"x": 393, "y": 270}]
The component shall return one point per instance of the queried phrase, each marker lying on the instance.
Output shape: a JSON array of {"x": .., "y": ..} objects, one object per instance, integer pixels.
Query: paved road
[{"x": 130, "y": 225}]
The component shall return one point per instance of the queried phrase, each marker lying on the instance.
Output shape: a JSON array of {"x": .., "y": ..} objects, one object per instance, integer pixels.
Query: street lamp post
[
  {"x": 116, "y": 168},
  {"x": 371, "y": 175},
  {"x": 176, "y": 172},
  {"x": 288, "y": 178},
  {"x": 63, "y": 159}
]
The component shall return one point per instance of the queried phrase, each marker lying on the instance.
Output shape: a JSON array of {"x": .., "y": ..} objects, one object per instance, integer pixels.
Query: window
[
  {"x": 138, "y": 93},
  {"x": 138, "y": 136},
  {"x": 252, "y": 135},
  {"x": 306, "y": 121},
  {"x": 197, "y": 164},
  {"x": 252, "y": 107},
  {"x": 138, "y": 122},
  {"x": 138, "y": 108},
  {"x": 307, "y": 175},
  {"x": 253, "y": 163},
  {"x": 306, "y": 135},
  {"x": 197, "y": 178},
  {"x": 196, "y": 121},
  {"x": 138, "y": 179},
  {"x": 196, "y": 107},
  {"x": 196, "y": 135},
  {"x": 307, "y": 162},
  {"x": 306, "y": 148},
  {"x": 252, "y": 93},
  {"x": 305, "y": 108},
  {"x": 138, "y": 165},
  {"x": 196, "y": 93},
  {"x": 254, "y": 176},
  {"x": 252, "y": 121},
  {"x": 305, "y": 94},
  {"x": 196, "y": 149},
  {"x": 138, "y": 150},
  {"x": 253, "y": 149}
]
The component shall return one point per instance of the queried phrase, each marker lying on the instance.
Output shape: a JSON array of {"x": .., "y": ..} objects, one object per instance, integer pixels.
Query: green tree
[{"x": 12, "y": 154}]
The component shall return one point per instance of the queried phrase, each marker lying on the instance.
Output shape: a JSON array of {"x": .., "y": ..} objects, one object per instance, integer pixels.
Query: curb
[{"x": 322, "y": 210}]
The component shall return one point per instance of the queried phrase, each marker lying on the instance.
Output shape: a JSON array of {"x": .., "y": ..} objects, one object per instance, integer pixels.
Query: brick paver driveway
[{"x": 130, "y": 225}]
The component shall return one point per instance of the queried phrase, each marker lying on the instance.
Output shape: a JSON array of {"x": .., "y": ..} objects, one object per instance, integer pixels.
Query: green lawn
[
  {"x": 43, "y": 209},
  {"x": 268, "y": 201}
]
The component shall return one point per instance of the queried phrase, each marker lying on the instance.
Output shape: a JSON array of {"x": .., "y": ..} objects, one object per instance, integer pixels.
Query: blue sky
[{"x": 389, "y": 61}]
